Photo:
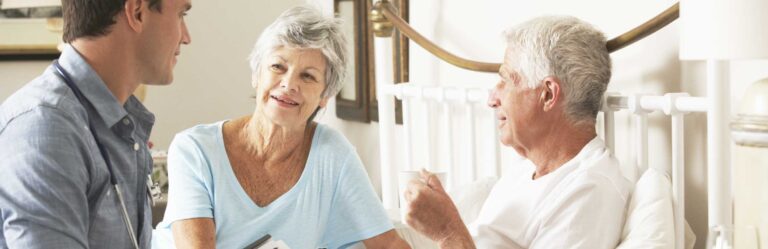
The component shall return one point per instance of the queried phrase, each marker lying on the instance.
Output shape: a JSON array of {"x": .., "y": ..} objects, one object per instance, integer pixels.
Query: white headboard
[{"x": 429, "y": 138}]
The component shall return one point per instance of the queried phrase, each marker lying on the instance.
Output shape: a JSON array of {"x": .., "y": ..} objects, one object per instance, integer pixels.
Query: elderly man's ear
[{"x": 551, "y": 93}]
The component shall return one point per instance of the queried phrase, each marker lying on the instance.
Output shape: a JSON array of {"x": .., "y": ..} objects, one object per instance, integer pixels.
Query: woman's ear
[
  {"x": 552, "y": 92},
  {"x": 323, "y": 102},
  {"x": 254, "y": 80}
]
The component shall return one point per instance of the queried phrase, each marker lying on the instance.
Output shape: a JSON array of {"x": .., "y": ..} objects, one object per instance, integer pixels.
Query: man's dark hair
[{"x": 93, "y": 18}]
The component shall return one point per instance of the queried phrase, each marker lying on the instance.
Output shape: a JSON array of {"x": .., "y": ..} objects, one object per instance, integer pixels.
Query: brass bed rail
[{"x": 384, "y": 19}]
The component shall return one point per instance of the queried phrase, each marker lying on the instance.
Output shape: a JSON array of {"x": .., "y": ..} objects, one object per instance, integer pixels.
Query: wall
[
  {"x": 212, "y": 78},
  {"x": 14, "y": 74}
]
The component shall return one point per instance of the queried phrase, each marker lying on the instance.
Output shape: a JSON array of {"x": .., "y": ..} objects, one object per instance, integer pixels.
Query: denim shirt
[{"x": 55, "y": 190}]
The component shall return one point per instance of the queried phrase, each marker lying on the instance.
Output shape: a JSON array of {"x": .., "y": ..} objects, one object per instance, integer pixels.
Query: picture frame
[
  {"x": 30, "y": 34},
  {"x": 353, "y": 102},
  {"x": 357, "y": 101}
]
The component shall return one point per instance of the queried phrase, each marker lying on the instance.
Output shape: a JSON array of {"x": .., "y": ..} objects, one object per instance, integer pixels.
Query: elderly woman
[{"x": 277, "y": 172}]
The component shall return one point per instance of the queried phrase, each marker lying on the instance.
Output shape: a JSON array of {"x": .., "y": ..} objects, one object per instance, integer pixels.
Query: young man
[{"x": 72, "y": 134}]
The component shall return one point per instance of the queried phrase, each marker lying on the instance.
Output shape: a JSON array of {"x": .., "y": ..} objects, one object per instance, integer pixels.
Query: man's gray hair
[
  {"x": 306, "y": 27},
  {"x": 572, "y": 51}
]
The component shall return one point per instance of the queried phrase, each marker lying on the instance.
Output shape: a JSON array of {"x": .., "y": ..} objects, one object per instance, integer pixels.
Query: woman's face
[{"x": 289, "y": 85}]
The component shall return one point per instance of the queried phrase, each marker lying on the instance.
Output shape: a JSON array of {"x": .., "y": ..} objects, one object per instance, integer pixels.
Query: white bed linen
[{"x": 649, "y": 223}]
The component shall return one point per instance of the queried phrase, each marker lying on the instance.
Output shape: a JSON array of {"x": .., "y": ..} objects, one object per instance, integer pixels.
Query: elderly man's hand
[{"x": 432, "y": 213}]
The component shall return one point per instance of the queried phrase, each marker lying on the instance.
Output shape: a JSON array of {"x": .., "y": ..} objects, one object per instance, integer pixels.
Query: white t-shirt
[{"x": 582, "y": 204}]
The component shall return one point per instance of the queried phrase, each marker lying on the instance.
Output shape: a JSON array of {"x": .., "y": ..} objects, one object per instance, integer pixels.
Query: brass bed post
[{"x": 384, "y": 19}]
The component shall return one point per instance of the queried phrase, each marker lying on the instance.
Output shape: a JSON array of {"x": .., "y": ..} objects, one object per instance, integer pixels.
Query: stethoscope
[{"x": 112, "y": 179}]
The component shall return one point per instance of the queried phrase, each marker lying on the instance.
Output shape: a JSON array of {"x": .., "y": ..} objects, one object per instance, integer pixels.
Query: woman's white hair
[
  {"x": 306, "y": 27},
  {"x": 569, "y": 49}
]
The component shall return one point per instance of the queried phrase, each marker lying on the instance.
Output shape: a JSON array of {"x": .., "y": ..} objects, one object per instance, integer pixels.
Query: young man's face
[{"x": 163, "y": 36}]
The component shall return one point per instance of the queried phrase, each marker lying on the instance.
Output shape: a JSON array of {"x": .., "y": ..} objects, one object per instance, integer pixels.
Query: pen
[{"x": 259, "y": 242}]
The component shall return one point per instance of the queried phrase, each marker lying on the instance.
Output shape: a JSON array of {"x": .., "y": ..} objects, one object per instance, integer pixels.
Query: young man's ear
[
  {"x": 551, "y": 93},
  {"x": 134, "y": 14}
]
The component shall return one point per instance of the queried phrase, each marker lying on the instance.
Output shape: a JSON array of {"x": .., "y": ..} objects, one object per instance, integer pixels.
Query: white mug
[{"x": 403, "y": 178}]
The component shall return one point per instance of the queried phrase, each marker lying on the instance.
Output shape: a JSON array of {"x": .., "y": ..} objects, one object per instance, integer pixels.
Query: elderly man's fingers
[
  {"x": 412, "y": 195},
  {"x": 431, "y": 180},
  {"x": 434, "y": 183},
  {"x": 409, "y": 219},
  {"x": 415, "y": 181},
  {"x": 407, "y": 195},
  {"x": 416, "y": 184},
  {"x": 414, "y": 191},
  {"x": 425, "y": 174}
]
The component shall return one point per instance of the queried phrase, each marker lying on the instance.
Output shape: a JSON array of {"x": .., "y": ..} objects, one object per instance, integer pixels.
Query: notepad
[{"x": 266, "y": 242}]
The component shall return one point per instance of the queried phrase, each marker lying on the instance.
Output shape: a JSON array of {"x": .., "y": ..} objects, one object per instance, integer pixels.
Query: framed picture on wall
[
  {"x": 30, "y": 33},
  {"x": 357, "y": 99},
  {"x": 353, "y": 102}
]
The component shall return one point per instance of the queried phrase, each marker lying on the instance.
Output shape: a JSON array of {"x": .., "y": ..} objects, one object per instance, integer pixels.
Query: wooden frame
[
  {"x": 27, "y": 38},
  {"x": 357, "y": 107},
  {"x": 363, "y": 106}
]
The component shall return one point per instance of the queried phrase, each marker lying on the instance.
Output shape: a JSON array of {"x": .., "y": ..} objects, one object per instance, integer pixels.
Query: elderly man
[{"x": 572, "y": 194}]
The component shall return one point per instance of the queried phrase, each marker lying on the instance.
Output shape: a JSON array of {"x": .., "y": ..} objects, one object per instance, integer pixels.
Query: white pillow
[
  {"x": 469, "y": 199},
  {"x": 650, "y": 217}
]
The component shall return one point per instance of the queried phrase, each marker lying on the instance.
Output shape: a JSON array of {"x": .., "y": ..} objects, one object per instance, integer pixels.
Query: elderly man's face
[
  {"x": 290, "y": 83},
  {"x": 515, "y": 104}
]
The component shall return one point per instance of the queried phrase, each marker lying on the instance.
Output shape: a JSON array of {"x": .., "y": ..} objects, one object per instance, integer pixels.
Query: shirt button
[
  {"x": 136, "y": 146},
  {"x": 126, "y": 121}
]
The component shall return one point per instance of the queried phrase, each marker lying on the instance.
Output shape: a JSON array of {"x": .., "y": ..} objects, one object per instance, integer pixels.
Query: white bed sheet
[{"x": 649, "y": 222}]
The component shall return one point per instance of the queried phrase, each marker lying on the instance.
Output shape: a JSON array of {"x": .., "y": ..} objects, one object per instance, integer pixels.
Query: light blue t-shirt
[{"x": 333, "y": 204}]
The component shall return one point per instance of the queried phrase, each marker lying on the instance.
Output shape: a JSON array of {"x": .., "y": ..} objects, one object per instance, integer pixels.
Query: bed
[{"x": 447, "y": 129}]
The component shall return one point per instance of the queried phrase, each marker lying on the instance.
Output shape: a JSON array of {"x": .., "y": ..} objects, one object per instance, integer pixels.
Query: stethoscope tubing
[{"x": 112, "y": 178}]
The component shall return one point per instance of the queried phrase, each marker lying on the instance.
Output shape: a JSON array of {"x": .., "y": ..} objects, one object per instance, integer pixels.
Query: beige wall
[
  {"x": 14, "y": 74},
  {"x": 212, "y": 77}
]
